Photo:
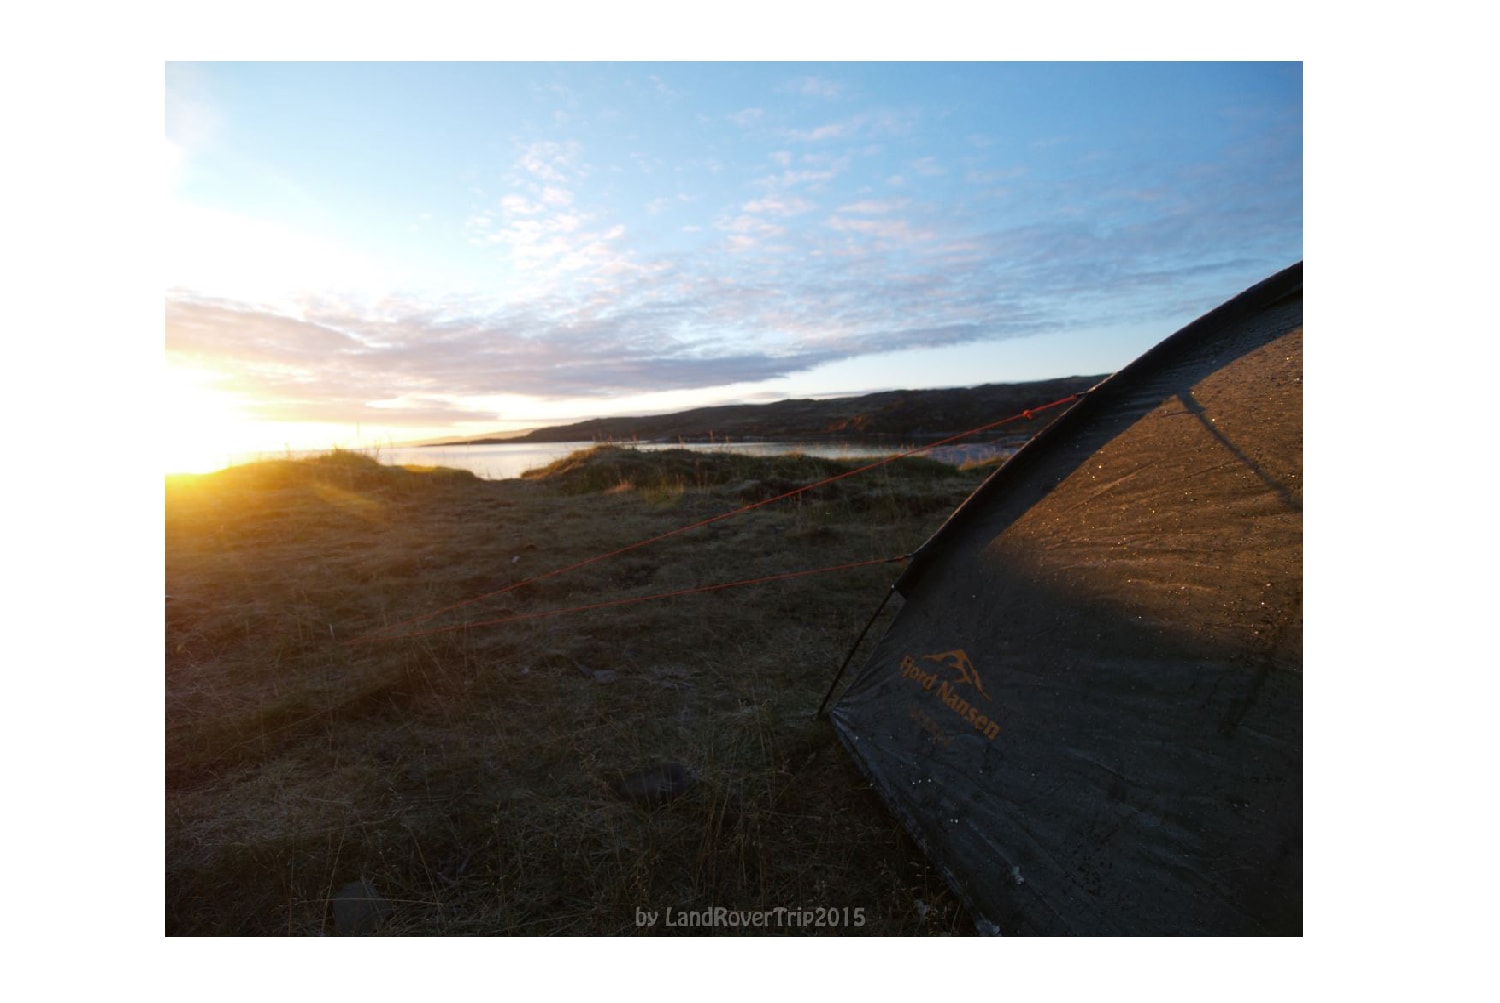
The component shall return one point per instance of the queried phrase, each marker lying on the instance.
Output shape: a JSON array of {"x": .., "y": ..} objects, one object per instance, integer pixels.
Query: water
[{"x": 497, "y": 461}]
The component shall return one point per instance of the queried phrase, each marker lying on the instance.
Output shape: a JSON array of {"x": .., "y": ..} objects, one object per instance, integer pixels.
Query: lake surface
[{"x": 497, "y": 461}]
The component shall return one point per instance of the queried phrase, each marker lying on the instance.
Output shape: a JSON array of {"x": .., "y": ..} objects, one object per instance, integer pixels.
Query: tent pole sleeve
[{"x": 822, "y": 707}]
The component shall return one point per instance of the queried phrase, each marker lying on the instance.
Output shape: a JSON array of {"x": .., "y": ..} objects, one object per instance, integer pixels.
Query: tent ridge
[{"x": 1266, "y": 294}]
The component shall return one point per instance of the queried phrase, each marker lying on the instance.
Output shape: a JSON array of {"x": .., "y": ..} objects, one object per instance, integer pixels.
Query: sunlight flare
[{"x": 203, "y": 428}]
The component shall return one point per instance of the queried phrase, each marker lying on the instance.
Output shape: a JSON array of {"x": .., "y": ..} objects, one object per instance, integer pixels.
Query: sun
[{"x": 203, "y": 428}]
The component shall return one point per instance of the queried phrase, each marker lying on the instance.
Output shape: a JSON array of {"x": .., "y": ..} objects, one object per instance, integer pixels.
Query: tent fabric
[{"x": 1088, "y": 711}]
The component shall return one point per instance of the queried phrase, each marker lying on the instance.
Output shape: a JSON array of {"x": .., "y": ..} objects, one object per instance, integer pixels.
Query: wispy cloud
[
  {"x": 662, "y": 88},
  {"x": 548, "y": 232},
  {"x": 814, "y": 86},
  {"x": 551, "y": 163},
  {"x": 780, "y": 205},
  {"x": 791, "y": 234},
  {"x": 875, "y": 207},
  {"x": 885, "y": 229},
  {"x": 880, "y": 275},
  {"x": 865, "y": 126},
  {"x": 833, "y": 130},
  {"x": 928, "y": 167},
  {"x": 748, "y": 230},
  {"x": 328, "y": 366}
]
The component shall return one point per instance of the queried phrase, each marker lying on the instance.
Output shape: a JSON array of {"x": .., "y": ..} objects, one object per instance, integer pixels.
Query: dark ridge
[{"x": 912, "y": 415}]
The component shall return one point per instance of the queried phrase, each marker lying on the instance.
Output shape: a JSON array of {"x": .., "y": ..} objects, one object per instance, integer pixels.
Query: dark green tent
[{"x": 1088, "y": 710}]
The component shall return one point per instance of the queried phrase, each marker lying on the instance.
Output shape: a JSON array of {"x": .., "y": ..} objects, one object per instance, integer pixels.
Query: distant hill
[{"x": 915, "y": 415}]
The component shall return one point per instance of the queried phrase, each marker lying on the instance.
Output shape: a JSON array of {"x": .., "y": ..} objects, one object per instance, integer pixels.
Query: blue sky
[{"x": 387, "y": 252}]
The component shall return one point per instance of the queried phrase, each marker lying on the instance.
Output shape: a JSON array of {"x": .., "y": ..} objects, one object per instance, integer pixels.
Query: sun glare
[{"x": 203, "y": 429}]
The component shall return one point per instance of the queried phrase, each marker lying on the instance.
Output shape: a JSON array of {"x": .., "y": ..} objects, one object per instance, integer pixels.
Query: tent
[{"x": 1088, "y": 710}]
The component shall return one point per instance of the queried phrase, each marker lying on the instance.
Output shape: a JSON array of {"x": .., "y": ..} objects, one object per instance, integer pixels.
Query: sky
[{"x": 367, "y": 253}]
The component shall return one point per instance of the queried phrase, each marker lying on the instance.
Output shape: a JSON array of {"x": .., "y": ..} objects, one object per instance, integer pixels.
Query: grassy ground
[{"x": 469, "y": 773}]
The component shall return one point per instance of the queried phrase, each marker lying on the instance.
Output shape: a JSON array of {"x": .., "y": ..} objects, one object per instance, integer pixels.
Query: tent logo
[
  {"x": 959, "y": 660},
  {"x": 946, "y": 691}
]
